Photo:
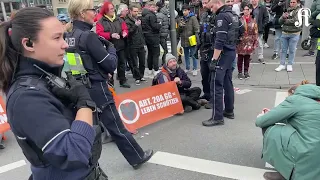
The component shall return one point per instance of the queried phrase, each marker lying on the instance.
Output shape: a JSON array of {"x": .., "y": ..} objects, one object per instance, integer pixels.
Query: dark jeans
[
  {"x": 190, "y": 97},
  {"x": 243, "y": 60},
  {"x": 121, "y": 69},
  {"x": 164, "y": 45},
  {"x": 266, "y": 32},
  {"x": 138, "y": 62},
  {"x": 153, "y": 56},
  {"x": 129, "y": 59}
]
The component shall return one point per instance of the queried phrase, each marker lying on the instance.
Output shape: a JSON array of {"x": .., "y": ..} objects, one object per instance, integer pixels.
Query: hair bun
[{"x": 304, "y": 82}]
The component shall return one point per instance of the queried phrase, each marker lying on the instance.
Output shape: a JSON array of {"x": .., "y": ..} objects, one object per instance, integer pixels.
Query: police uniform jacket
[
  {"x": 224, "y": 38},
  {"x": 38, "y": 119},
  {"x": 105, "y": 61}
]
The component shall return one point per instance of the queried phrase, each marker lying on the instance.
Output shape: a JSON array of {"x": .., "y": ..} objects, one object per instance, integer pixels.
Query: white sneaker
[
  {"x": 186, "y": 71},
  {"x": 266, "y": 45},
  {"x": 280, "y": 68},
  {"x": 289, "y": 68},
  {"x": 194, "y": 72},
  {"x": 155, "y": 72},
  {"x": 149, "y": 72}
]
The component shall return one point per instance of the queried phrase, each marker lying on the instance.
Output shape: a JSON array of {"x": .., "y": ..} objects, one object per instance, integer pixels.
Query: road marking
[
  {"x": 280, "y": 97},
  {"x": 243, "y": 91},
  {"x": 271, "y": 63},
  {"x": 208, "y": 167},
  {"x": 12, "y": 166}
]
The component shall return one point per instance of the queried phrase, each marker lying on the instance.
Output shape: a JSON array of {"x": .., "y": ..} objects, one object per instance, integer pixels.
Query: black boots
[{"x": 147, "y": 155}]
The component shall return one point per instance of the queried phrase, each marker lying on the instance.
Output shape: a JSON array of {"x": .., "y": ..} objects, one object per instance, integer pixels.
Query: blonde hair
[
  {"x": 75, "y": 7},
  {"x": 293, "y": 88}
]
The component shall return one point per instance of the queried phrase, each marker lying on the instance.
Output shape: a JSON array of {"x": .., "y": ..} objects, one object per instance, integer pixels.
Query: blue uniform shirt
[{"x": 223, "y": 23}]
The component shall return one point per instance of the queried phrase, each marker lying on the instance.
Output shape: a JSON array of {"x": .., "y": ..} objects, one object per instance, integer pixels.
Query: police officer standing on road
[
  {"x": 51, "y": 118},
  {"x": 228, "y": 28},
  {"x": 91, "y": 62},
  {"x": 206, "y": 50}
]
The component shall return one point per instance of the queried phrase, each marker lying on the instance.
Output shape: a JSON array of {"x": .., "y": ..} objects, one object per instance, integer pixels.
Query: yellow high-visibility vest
[{"x": 75, "y": 64}]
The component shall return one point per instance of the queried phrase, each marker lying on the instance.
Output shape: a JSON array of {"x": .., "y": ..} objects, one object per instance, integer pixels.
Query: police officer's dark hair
[
  {"x": 42, "y": 6},
  {"x": 25, "y": 24}
]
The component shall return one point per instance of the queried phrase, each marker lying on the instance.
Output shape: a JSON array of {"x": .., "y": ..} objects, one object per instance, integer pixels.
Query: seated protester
[
  {"x": 291, "y": 133},
  {"x": 172, "y": 72}
]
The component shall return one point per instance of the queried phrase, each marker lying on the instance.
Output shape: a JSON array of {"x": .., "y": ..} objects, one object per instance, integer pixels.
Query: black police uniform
[
  {"x": 98, "y": 62},
  {"x": 206, "y": 50},
  {"x": 57, "y": 146},
  {"x": 228, "y": 28}
]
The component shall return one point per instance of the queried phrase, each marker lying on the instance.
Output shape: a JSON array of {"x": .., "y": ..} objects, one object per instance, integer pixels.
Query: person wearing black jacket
[
  {"x": 278, "y": 7},
  {"x": 136, "y": 44},
  {"x": 260, "y": 13},
  {"x": 151, "y": 32}
]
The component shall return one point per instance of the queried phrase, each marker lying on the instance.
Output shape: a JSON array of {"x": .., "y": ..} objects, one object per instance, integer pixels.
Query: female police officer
[
  {"x": 90, "y": 61},
  {"x": 55, "y": 134}
]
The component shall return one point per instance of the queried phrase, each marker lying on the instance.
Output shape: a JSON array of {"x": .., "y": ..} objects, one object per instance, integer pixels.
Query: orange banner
[
  {"x": 4, "y": 126},
  {"x": 148, "y": 105}
]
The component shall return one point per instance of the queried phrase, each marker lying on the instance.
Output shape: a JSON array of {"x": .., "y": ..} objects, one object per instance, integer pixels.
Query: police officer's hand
[
  {"x": 213, "y": 65},
  {"x": 76, "y": 93}
]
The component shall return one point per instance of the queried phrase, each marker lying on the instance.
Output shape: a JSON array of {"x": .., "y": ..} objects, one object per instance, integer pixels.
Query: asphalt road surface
[{"x": 185, "y": 150}]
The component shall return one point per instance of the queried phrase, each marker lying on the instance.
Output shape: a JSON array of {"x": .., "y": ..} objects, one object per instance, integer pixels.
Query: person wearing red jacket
[{"x": 115, "y": 30}]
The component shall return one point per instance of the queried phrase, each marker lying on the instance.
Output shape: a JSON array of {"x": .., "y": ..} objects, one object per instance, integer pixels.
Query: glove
[
  {"x": 76, "y": 94},
  {"x": 213, "y": 65}
]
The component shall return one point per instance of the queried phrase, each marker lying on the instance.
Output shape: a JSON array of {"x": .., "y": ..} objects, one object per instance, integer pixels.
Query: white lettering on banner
[
  {"x": 157, "y": 102},
  {"x": 303, "y": 15},
  {"x": 1, "y": 109},
  {"x": 3, "y": 118}
]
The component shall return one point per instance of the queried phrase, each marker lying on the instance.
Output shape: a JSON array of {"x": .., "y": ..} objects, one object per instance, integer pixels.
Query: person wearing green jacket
[{"x": 291, "y": 142}]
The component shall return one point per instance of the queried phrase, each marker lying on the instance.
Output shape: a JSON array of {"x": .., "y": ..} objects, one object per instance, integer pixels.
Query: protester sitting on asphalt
[
  {"x": 172, "y": 72},
  {"x": 292, "y": 135}
]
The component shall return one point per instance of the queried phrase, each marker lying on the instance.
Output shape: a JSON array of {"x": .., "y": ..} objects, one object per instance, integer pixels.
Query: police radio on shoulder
[{"x": 53, "y": 80}]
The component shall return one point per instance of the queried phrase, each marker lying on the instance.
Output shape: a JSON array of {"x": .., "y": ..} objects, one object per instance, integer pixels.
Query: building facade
[{"x": 7, "y": 6}]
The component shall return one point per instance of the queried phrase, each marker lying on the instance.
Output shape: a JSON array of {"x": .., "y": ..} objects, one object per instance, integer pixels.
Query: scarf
[{"x": 111, "y": 18}]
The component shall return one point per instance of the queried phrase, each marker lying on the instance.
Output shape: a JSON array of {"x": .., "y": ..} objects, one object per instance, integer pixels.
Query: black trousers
[
  {"x": 190, "y": 97},
  {"x": 266, "y": 32},
  {"x": 138, "y": 57},
  {"x": 127, "y": 145},
  {"x": 110, "y": 118},
  {"x": 164, "y": 45},
  {"x": 121, "y": 68},
  {"x": 153, "y": 56},
  {"x": 318, "y": 69}
]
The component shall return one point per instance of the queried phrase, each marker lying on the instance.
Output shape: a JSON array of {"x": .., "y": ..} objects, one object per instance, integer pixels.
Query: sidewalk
[{"x": 265, "y": 75}]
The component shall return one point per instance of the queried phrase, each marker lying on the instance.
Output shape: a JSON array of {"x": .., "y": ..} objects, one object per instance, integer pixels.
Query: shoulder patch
[{"x": 219, "y": 23}]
